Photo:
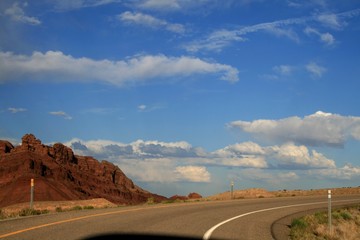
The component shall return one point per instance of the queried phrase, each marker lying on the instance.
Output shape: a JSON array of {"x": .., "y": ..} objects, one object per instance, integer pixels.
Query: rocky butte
[{"x": 60, "y": 175}]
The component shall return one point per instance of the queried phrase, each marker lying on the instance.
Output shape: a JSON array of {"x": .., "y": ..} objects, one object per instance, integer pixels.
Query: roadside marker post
[
  {"x": 232, "y": 189},
  {"x": 329, "y": 211},
  {"x": 32, "y": 194}
]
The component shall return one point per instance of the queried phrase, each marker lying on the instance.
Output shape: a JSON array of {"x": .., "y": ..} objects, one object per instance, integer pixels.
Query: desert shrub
[
  {"x": 321, "y": 217},
  {"x": 29, "y": 212},
  {"x": 345, "y": 225},
  {"x": 345, "y": 215},
  {"x": 2, "y": 214},
  {"x": 88, "y": 207},
  {"x": 169, "y": 201},
  {"x": 150, "y": 200},
  {"x": 299, "y": 223},
  {"x": 59, "y": 209},
  {"x": 76, "y": 208}
]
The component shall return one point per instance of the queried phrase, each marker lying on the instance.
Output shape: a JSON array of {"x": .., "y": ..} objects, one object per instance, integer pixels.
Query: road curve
[{"x": 237, "y": 219}]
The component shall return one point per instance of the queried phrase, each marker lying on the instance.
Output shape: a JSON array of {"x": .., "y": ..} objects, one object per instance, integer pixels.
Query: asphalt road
[{"x": 237, "y": 219}]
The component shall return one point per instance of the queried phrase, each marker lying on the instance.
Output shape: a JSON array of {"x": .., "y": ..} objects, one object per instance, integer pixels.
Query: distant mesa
[
  {"x": 189, "y": 197},
  {"x": 61, "y": 175}
]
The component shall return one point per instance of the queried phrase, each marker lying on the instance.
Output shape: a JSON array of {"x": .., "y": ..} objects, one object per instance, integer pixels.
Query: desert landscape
[{"x": 65, "y": 181}]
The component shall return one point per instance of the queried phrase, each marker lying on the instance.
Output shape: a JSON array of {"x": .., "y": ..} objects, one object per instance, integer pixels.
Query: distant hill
[{"x": 61, "y": 175}]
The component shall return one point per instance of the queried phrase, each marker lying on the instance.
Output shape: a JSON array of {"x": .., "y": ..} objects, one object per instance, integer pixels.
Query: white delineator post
[
  {"x": 232, "y": 190},
  {"x": 329, "y": 211},
  {"x": 32, "y": 194}
]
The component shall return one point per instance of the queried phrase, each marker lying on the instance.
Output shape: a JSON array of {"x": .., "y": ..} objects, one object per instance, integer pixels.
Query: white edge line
[{"x": 209, "y": 232}]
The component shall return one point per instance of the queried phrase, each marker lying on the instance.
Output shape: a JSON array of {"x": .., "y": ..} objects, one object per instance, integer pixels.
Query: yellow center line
[{"x": 76, "y": 219}]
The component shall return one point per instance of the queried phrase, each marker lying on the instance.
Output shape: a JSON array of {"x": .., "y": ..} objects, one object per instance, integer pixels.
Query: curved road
[{"x": 237, "y": 219}]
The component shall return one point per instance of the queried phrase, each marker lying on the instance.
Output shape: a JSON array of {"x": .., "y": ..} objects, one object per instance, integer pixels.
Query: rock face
[
  {"x": 194, "y": 196},
  {"x": 61, "y": 175},
  {"x": 190, "y": 196}
]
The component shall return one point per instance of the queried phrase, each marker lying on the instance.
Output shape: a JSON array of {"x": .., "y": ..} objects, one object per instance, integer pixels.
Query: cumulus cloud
[
  {"x": 286, "y": 156},
  {"x": 147, "y": 161},
  {"x": 319, "y": 129},
  {"x": 16, "y": 110},
  {"x": 268, "y": 177},
  {"x": 247, "y": 154},
  {"x": 57, "y": 66},
  {"x": 346, "y": 172},
  {"x": 292, "y": 156},
  {"x": 137, "y": 149},
  {"x": 61, "y": 114},
  {"x": 16, "y": 13},
  {"x": 150, "y": 21},
  {"x": 240, "y": 155},
  {"x": 192, "y": 174}
]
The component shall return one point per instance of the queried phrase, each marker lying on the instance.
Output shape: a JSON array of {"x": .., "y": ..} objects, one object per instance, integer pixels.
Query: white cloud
[
  {"x": 142, "y": 107},
  {"x": 285, "y": 70},
  {"x": 268, "y": 177},
  {"x": 245, "y": 148},
  {"x": 136, "y": 70},
  {"x": 290, "y": 155},
  {"x": 61, "y": 114},
  {"x": 137, "y": 149},
  {"x": 16, "y": 110},
  {"x": 326, "y": 38},
  {"x": 156, "y": 161},
  {"x": 221, "y": 38},
  {"x": 319, "y": 129},
  {"x": 246, "y": 154},
  {"x": 245, "y": 161},
  {"x": 17, "y": 14},
  {"x": 67, "y": 5},
  {"x": 164, "y": 5},
  {"x": 331, "y": 20},
  {"x": 281, "y": 28},
  {"x": 148, "y": 161},
  {"x": 150, "y": 108},
  {"x": 312, "y": 4},
  {"x": 315, "y": 70},
  {"x": 286, "y": 156},
  {"x": 347, "y": 172},
  {"x": 148, "y": 170},
  {"x": 192, "y": 174},
  {"x": 150, "y": 21},
  {"x": 216, "y": 41}
]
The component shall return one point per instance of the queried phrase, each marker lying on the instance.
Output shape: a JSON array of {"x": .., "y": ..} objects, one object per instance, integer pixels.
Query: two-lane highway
[{"x": 237, "y": 219}]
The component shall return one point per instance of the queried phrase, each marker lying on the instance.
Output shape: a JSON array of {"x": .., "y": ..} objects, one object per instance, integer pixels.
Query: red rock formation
[
  {"x": 5, "y": 147},
  {"x": 178, "y": 197},
  {"x": 194, "y": 196},
  {"x": 61, "y": 175}
]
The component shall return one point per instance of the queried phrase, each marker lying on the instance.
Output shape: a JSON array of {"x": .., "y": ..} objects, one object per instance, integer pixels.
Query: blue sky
[{"x": 189, "y": 95}]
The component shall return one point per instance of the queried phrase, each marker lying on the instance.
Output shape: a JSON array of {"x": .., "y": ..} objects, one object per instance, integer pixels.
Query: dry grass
[
  {"x": 262, "y": 193},
  {"x": 54, "y": 206},
  {"x": 241, "y": 194},
  {"x": 345, "y": 225}
]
